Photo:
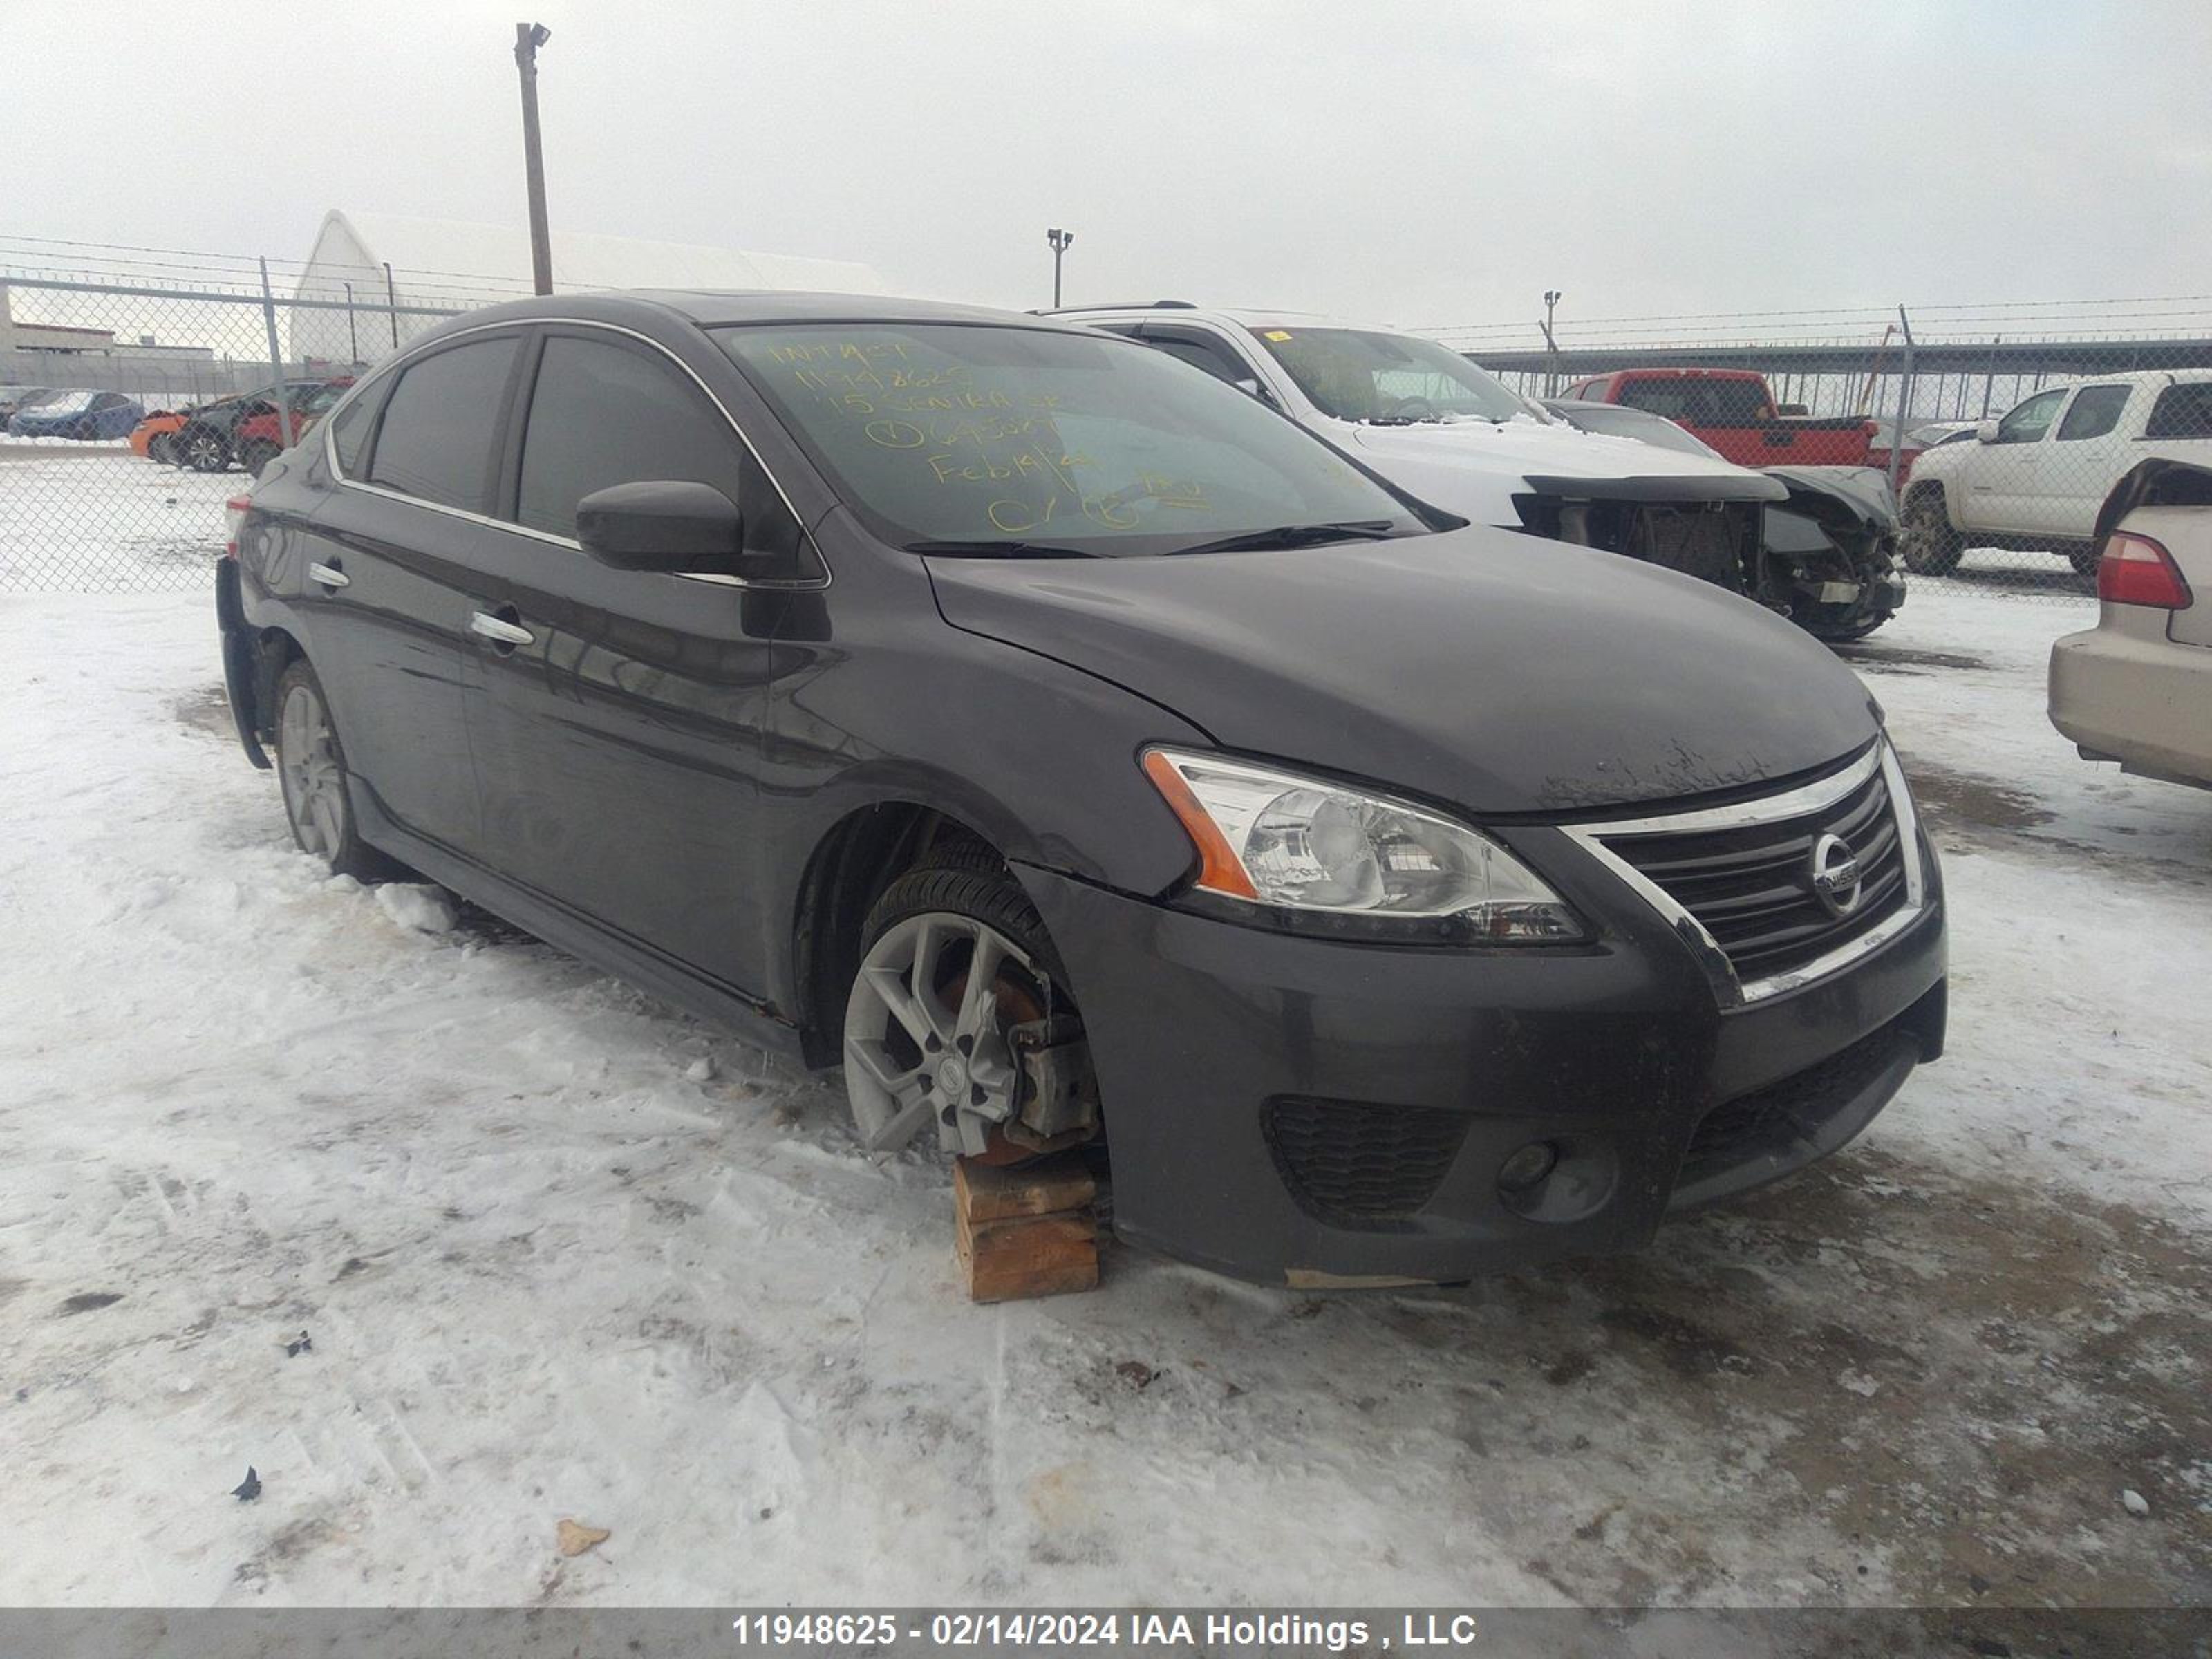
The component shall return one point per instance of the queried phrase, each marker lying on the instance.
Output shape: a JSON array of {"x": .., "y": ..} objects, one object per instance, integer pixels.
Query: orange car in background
[
  {"x": 155, "y": 437},
  {"x": 241, "y": 428}
]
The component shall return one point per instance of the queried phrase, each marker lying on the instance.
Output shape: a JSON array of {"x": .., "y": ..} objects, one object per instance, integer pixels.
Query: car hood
[
  {"x": 1479, "y": 667},
  {"x": 1863, "y": 489},
  {"x": 1531, "y": 447}
]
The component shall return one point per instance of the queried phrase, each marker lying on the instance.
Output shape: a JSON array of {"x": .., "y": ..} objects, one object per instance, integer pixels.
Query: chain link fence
[
  {"x": 131, "y": 411},
  {"x": 136, "y": 400},
  {"x": 1998, "y": 429}
]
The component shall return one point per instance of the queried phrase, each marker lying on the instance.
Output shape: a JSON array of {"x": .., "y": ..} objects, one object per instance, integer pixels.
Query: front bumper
[
  {"x": 2143, "y": 701},
  {"x": 1264, "y": 1091}
]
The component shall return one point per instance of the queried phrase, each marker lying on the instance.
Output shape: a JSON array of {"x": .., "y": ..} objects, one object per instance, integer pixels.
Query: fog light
[{"x": 1528, "y": 1166}]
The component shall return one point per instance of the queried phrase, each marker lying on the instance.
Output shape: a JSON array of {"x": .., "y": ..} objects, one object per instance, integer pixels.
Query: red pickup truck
[{"x": 1732, "y": 410}]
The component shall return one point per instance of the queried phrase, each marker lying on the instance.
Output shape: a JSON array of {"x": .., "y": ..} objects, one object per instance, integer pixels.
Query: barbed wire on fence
[{"x": 151, "y": 389}]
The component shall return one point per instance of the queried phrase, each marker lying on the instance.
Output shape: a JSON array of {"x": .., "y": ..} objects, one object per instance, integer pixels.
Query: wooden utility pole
[{"x": 528, "y": 37}]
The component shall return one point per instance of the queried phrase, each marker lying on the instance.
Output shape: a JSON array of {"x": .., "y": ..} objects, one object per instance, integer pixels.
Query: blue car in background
[{"x": 80, "y": 415}]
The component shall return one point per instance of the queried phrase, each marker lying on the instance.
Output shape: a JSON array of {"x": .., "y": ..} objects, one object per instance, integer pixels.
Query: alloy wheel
[
  {"x": 926, "y": 1032},
  {"x": 313, "y": 781}
]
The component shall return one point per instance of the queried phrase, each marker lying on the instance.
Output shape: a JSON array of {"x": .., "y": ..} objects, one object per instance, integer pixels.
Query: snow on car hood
[
  {"x": 1474, "y": 468},
  {"x": 1556, "y": 451}
]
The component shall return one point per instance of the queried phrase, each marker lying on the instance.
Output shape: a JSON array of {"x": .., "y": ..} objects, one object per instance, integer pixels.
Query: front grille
[
  {"x": 1786, "y": 1115},
  {"x": 1750, "y": 885},
  {"x": 1348, "y": 1162}
]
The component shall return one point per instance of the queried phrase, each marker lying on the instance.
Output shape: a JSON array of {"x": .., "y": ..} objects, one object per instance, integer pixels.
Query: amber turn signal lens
[{"x": 1220, "y": 869}]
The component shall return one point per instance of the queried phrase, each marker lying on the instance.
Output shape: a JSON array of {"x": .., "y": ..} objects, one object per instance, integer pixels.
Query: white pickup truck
[{"x": 2035, "y": 479}]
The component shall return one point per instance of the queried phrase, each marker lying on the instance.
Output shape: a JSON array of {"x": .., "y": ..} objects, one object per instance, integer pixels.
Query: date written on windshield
[{"x": 1116, "y": 511}]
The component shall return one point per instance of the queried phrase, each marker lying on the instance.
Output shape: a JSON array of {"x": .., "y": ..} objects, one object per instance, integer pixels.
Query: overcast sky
[{"x": 1425, "y": 163}]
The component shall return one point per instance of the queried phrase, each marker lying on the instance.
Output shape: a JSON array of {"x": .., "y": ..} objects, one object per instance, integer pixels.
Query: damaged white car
[{"x": 1438, "y": 425}]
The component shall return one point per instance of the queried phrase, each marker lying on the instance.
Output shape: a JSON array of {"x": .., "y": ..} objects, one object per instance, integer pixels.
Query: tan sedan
[{"x": 2137, "y": 687}]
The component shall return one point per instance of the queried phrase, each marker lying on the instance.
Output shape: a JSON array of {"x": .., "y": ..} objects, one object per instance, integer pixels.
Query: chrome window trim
[
  {"x": 399, "y": 365},
  {"x": 1734, "y": 990}
]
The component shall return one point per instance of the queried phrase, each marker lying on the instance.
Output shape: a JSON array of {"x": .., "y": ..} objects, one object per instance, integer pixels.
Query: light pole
[
  {"x": 1552, "y": 297},
  {"x": 1061, "y": 240},
  {"x": 528, "y": 37}
]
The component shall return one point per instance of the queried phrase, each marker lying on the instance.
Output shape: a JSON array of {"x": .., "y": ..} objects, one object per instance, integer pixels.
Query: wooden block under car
[
  {"x": 988, "y": 1192},
  {"x": 1025, "y": 1233}
]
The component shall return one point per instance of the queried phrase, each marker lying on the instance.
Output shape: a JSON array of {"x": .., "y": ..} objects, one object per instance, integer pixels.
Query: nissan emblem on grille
[{"x": 1835, "y": 870}]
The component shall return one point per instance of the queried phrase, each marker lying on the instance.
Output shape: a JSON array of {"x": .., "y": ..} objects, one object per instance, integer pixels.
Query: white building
[{"x": 454, "y": 264}]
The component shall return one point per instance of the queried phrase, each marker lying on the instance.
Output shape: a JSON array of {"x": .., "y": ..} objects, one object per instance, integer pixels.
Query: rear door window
[
  {"x": 2095, "y": 411},
  {"x": 436, "y": 441},
  {"x": 2182, "y": 411},
  {"x": 349, "y": 432}
]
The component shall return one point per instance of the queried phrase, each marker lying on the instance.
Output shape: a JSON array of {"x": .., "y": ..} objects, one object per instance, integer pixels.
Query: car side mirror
[
  {"x": 1985, "y": 431},
  {"x": 664, "y": 524}
]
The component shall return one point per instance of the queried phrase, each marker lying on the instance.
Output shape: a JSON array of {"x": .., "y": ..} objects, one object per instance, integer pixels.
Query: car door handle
[
  {"x": 328, "y": 575},
  {"x": 499, "y": 630}
]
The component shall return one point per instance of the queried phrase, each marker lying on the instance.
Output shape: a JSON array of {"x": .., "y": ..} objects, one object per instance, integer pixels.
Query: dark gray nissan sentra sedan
[{"x": 1081, "y": 754}]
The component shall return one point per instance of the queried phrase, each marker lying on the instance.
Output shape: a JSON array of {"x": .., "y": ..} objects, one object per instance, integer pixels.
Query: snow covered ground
[
  {"x": 92, "y": 517},
  {"x": 564, "y": 1254}
]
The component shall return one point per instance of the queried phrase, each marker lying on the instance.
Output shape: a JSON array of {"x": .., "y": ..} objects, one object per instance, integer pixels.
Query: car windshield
[
  {"x": 1363, "y": 374},
  {"x": 65, "y": 403},
  {"x": 963, "y": 438}
]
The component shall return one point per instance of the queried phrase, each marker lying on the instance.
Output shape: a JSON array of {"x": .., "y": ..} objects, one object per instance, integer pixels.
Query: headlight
[{"x": 1276, "y": 840}]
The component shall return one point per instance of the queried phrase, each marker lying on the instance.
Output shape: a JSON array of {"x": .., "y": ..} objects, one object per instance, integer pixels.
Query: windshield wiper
[
  {"x": 980, "y": 548},
  {"x": 1298, "y": 535}
]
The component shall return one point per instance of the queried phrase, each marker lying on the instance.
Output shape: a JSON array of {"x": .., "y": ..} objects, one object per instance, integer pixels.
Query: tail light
[
  {"x": 235, "y": 510},
  {"x": 2137, "y": 570}
]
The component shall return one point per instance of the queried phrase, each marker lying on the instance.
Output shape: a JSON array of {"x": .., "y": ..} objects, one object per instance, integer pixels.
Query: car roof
[
  {"x": 2128, "y": 377},
  {"x": 1169, "y": 311},
  {"x": 717, "y": 307}
]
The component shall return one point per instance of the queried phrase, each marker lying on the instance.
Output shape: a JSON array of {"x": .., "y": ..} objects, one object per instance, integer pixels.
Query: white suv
[
  {"x": 2035, "y": 479},
  {"x": 1433, "y": 423}
]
